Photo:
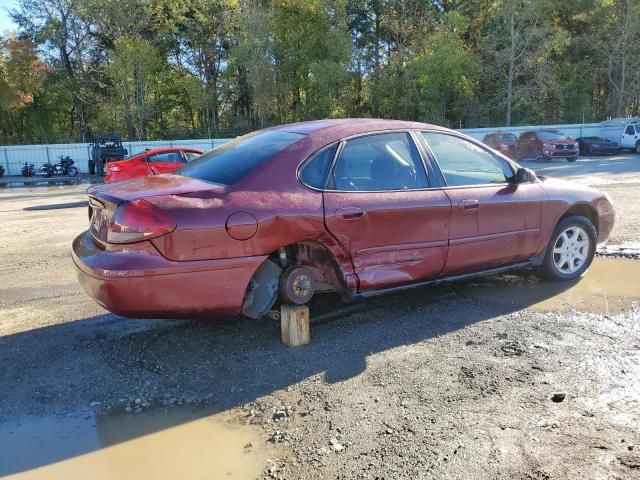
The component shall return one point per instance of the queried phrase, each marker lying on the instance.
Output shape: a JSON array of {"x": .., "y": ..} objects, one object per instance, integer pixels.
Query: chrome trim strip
[
  {"x": 491, "y": 236},
  {"x": 403, "y": 246}
]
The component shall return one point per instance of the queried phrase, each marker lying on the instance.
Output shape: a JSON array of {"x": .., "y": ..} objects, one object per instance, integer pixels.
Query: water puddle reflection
[
  {"x": 162, "y": 444},
  {"x": 609, "y": 286}
]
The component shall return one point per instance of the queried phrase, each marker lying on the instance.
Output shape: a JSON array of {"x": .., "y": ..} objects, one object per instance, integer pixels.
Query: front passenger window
[
  {"x": 387, "y": 161},
  {"x": 465, "y": 163}
]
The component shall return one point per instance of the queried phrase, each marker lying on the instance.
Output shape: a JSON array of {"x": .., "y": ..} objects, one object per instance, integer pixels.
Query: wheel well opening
[
  {"x": 318, "y": 256},
  {"x": 585, "y": 211},
  {"x": 262, "y": 290}
]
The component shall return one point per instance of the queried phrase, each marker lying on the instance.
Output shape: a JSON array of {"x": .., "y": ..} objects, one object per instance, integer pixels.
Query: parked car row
[{"x": 547, "y": 144}]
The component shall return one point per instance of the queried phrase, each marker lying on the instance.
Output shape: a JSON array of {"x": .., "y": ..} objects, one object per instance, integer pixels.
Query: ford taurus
[{"x": 361, "y": 207}]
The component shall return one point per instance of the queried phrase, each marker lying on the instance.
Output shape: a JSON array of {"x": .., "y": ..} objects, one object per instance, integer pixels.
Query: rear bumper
[{"x": 139, "y": 282}]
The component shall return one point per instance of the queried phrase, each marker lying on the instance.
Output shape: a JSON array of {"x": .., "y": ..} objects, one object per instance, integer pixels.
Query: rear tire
[
  {"x": 539, "y": 156},
  {"x": 571, "y": 249}
]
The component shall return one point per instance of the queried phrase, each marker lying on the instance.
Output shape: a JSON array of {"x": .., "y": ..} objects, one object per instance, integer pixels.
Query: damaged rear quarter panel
[{"x": 286, "y": 213}]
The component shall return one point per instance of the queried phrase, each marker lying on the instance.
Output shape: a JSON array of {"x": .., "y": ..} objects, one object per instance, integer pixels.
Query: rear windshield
[
  {"x": 552, "y": 136},
  {"x": 231, "y": 161},
  {"x": 506, "y": 137}
]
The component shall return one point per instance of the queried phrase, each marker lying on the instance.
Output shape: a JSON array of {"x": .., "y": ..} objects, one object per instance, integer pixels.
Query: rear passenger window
[
  {"x": 465, "y": 163},
  {"x": 388, "y": 161},
  {"x": 314, "y": 172}
]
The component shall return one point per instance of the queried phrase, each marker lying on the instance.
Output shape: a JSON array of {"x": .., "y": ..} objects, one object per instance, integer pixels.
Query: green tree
[
  {"x": 447, "y": 73},
  {"x": 22, "y": 75},
  {"x": 134, "y": 72}
]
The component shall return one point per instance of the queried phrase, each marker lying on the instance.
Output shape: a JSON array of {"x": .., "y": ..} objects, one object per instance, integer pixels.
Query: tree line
[{"x": 160, "y": 69}]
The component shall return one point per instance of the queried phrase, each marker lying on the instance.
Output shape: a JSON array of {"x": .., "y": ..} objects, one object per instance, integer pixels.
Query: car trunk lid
[{"x": 104, "y": 200}]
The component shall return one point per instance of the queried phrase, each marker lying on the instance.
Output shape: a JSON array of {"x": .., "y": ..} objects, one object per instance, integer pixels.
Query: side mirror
[{"x": 525, "y": 175}]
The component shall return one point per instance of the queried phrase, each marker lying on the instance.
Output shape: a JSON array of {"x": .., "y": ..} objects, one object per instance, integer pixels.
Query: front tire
[
  {"x": 638, "y": 146},
  {"x": 571, "y": 249},
  {"x": 72, "y": 172}
]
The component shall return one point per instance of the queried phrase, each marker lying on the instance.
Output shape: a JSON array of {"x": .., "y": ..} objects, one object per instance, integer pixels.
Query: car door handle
[
  {"x": 350, "y": 213},
  {"x": 469, "y": 204}
]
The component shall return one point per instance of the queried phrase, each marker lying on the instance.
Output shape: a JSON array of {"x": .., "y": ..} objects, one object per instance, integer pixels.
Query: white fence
[{"x": 14, "y": 156}]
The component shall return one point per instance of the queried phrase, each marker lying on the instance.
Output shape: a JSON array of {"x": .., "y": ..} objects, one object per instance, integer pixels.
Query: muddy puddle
[
  {"x": 609, "y": 286},
  {"x": 163, "y": 444}
]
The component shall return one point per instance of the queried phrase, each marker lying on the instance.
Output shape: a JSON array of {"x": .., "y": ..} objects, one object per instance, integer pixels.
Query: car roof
[
  {"x": 340, "y": 128},
  {"x": 168, "y": 149},
  {"x": 163, "y": 150}
]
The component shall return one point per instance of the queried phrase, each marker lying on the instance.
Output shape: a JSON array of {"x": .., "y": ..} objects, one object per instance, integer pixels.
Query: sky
[{"x": 5, "y": 21}]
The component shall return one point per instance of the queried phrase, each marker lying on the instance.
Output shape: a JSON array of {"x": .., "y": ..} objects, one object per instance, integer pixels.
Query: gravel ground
[{"x": 432, "y": 383}]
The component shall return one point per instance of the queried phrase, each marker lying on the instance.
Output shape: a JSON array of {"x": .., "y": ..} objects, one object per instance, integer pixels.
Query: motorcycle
[
  {"x": 63, "y": 167},
  {"x": 28, "y": 170}
]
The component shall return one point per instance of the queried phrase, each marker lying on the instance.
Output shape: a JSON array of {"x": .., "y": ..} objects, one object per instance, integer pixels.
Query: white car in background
[{"x": 623, "y": 131}]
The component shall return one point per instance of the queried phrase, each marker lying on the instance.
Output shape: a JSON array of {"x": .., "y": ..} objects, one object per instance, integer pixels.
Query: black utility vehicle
[{"x": 105, "y": 148}]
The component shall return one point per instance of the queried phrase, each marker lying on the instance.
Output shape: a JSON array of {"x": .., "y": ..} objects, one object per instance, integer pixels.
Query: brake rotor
[{"x": 297, "y": 285}]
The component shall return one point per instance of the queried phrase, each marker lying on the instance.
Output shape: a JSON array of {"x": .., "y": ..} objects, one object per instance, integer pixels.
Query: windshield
[
  {"x": 506, "y": 137},
  {"x": 552, "y": 136},
  {"x": 231, "y": 161}
]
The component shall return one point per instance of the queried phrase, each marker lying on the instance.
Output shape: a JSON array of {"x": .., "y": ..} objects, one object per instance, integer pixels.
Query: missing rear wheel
[{"x": 297, "y": 285}]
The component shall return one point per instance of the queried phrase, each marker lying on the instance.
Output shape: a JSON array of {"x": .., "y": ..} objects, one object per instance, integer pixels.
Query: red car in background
[
  {"x": 544, "y": 145},
  {"x": 357, "y": 206},
  {"x": 150, "y": 162},
  {"x": 504, "y": 142}
]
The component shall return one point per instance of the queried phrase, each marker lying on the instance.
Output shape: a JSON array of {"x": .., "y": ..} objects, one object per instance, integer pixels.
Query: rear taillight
[
  {"x": 114, "y": 168},
  {"x": 138, "y": 220}
]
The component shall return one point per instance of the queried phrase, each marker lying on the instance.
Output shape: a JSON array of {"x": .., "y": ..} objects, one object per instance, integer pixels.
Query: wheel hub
[
  {"x": 571, "y": 250},
  {"x": 296, "y": 285}
]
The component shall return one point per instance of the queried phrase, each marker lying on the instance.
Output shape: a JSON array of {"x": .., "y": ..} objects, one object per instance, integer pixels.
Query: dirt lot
[{"x": 448, "y": 382}]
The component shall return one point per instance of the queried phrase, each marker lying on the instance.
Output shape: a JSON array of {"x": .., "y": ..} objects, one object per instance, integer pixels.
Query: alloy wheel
[{"x": 571, "y": 250}]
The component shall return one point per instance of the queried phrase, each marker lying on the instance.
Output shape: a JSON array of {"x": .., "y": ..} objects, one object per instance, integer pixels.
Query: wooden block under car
[{"x": 294, "y": 325}]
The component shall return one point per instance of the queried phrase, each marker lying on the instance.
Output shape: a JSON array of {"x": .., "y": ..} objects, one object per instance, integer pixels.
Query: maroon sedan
[
  {"x": 544, "y": 145},
  {"x": 361, "y": 207}
]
